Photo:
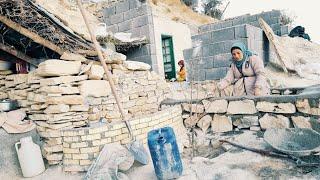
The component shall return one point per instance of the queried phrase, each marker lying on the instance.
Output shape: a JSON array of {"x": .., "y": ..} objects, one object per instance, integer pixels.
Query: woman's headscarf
[{"x": 245, "y": 51}]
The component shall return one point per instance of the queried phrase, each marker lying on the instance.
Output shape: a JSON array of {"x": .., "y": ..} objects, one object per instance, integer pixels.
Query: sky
[{"x": 306, "y": 12}]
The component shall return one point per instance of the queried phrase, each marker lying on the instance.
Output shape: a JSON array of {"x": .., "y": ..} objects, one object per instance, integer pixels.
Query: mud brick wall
[{"x": 81, "y": 146}]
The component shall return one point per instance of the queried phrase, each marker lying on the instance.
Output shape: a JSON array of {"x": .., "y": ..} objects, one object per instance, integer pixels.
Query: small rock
[
  {"x": 286, "y": 108},
  {"x": 221, "y": 124},
  {"x": 301, "y": 122},
  {"x": 135, "y": 65},
  {"x": 304, "y": 107},
  {"x": 191, "y": 121},
  {"x": 217, "y": 106},
  {"x": 72, "y": 57},
  {"x": 195, "y": 108},
  {"x": 241, "y": 107},
  {"x": 246, "y": 122},
  {"x": 204, "y": 122},
  {"x": 277, "y": 121},
  {"x": 96, "y": 72},
  {"x": 255, "y": 128}
]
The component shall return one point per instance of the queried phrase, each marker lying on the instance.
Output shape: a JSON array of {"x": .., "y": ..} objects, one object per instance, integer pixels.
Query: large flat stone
[
  {"x": 278, "y": 121},
  {"x": 58, "y": 68},
  {"x": 217, "y": 106},
  {"x": 195, "y": 108},
  {"x": 301, "y": 122},
  {"x": 62, "y": 80},
  {"x": 286, "y": 108},
  {"x": 68, "y": 99},
  {"x": 95, "y": 88},
  {"x": 304, "y": 107},
  {"x": 62, "y": 89},
  {"x": 204, "y": 122},
  {"x": 135, "y": 65},
  {"x": 55, "y": 109},
  {"x": 221, "y": 124},
  {"x": 72, "y": 57},
  {"x": 241, "y": 107}
]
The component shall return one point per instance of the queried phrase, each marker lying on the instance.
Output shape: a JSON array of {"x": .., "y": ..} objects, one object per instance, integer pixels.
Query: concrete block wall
[
  {"x": 271, "y": 17},
  {"x": 210, "y": 58},
  {"x": 132, "y": 16}
]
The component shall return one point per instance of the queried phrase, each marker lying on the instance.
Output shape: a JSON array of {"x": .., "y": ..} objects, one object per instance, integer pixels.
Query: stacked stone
[
  {"x": 81, "y": 146},
  {"x": 223, "y": 115}
]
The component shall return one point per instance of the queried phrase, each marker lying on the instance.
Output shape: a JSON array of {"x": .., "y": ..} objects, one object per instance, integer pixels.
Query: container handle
[{"x": 16, "y": 146}]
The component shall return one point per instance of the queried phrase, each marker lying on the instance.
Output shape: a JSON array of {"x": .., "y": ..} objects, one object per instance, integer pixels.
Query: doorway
[{"x": 168, "y": 57}]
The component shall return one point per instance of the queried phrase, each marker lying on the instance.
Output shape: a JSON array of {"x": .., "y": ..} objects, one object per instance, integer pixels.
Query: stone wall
[
  {"x": 68, "y": 94},
  {"x": 218, "y": 115},
  {"x": 132, "y": 16},
  {"x": 81, "y": 146}
]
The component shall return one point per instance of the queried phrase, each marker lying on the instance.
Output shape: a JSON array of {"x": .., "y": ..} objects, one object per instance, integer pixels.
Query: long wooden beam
[
  {"x": 35, "y": 37},
  {"x": 19, "y": 54}
]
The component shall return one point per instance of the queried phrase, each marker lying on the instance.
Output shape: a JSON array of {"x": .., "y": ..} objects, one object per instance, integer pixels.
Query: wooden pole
[
  {"x": 105, "y": 67},
  {"x": 35, "y": 37}
]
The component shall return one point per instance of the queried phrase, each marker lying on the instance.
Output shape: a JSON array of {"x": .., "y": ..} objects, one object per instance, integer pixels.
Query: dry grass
[{"x": 178, "y": 11}]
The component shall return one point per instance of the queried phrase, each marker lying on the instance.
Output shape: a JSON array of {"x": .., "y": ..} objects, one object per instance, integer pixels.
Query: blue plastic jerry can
[{"x": 165, "y": 153}]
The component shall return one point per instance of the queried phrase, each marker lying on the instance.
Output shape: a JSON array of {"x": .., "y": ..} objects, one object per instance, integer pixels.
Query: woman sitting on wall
[
  {"x": 246, "y": 73},
  {"x": 182, "y": 72}
]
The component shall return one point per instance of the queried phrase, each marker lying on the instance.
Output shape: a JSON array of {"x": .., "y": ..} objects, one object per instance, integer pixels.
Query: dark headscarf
[{"x": 245, "y": 51}]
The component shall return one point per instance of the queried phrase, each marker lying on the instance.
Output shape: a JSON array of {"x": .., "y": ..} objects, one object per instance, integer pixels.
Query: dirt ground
[{"x": 235, "y": 163}]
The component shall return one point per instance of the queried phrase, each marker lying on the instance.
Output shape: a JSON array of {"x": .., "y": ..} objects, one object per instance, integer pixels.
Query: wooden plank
[
  {"x": 19, "y": 55},
  {"x": 271, "y": 37},
  {"x": 35, "y": 37}
]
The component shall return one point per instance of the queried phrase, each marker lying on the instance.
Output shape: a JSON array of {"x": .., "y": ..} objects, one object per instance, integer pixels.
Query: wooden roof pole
[
  {"x": 19, "y": 54},
  {"x": 35, "y": 37}
]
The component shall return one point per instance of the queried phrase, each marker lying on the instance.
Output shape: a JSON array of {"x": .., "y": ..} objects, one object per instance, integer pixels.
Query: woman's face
[{"x": 237, "y": 54}]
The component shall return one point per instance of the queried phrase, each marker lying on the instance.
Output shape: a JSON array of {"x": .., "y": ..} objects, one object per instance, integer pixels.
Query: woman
[
  {"x": 246, "y": 73},
  {"x": 182, "y": 72}
]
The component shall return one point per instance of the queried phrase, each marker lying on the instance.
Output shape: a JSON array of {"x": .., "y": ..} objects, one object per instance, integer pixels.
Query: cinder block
[
  {"x": 285, "y": 30},
  {"x": 237, "y": 21},
  {"x": 226, "y": 24},
  {"x": 135, "y": 32},
  {"x": 228, "y": 44},
  {"x": 276, "y": 27},
  {"x": 197, "y": 51},
  {"x": 215, "y": 73},
  {"x": 140, "y": 21},
  {"x": 207, "y": 50},
  {"x": 218, "y": 48},
  {"x": 134, "y": 4},
  {"x": 187, "y": 53},
  {"x": 204, "y": 28},
  {"x": 198, "y": 76},
  {"x": 124, "y": 26},
  {"x": 117, "y": 18},
  {"x": 222, "y": 60},
  {"x": 223, "y": 35},
  {"x": 215, "y": 26},
  {"x": 205, "y": 38},
  {"x": 255, "y": 23},
  {"x": 112, "y": 28},
  {"x": 240, "y": 31},
  {"x": 208, "y": 62},
  {"x": 143, "y": 10},
  {"x": 122, "y": 7},
  {"x": 129, "y": 15},
  {"x": 252, "y": 18},
  {"x": 146, "y": 31},
  {"x": 107, "y": 12}
]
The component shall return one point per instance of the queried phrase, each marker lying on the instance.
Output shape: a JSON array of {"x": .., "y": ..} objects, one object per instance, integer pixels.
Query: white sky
[{"x": 307, "y": 12}]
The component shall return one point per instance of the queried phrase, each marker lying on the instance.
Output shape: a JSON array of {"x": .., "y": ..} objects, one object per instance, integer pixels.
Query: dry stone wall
[
  {"x": 219, "y": 115},
  {"x": 68, "y": 94}
]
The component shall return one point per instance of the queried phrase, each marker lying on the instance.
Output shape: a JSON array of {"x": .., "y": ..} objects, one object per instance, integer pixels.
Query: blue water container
[{"x": 165, "y": 153}]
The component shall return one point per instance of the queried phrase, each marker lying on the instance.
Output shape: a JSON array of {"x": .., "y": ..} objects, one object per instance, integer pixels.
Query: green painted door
[{"x": 168, "y": 57}]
